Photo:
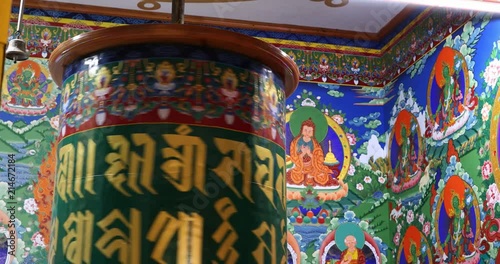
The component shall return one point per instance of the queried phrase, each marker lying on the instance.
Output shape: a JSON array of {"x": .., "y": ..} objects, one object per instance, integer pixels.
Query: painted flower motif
[
  {"x": 485, "y": 111},
  {"x": 492, "y": 196},
  {"x": 351, "y": 138},
  {"x": 396, "y": 238},
  {"x": 351, "y": 170},
  {"x": 54, "y": 122},
  {"x": 359, "y": 186},
  {"x": 427, "y": 228},
  {"x": 381, "y": 179},
  {"x": 37, "y": 240},
  {"x": 492, "y": 72},
  {"x": 368, "y": 179},
  {"x": 486, "y": 170},
  {"x": 338, "y": 118},
  {"x": 30, "y": 206},
  {"x": 410, "y": 216},
  {"x": 421, "y": 219},
  {"x": 487, "y": 145},
  {"x": 481, "y": 152}
]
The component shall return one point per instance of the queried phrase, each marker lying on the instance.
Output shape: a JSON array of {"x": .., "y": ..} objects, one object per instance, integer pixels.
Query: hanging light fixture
[{"x": 16, "y": 50}]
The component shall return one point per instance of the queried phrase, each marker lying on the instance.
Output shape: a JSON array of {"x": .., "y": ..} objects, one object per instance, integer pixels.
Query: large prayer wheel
[{"x": 171, "y": 147}]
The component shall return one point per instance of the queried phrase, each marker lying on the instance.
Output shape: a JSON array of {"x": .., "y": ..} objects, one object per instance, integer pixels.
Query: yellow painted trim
[
  {"x": 332, "y": 47},
  {"x": 398, "y": 36},
  {"x": 494, "y": 120},
  {"x": 71, "y": 21},
  {"x": 329, "y": 47},
  {"x": 321, "y": 46}
]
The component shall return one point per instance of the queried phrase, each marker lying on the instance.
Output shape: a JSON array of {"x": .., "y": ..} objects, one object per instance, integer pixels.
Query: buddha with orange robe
[{"x": 308, "y": 157}]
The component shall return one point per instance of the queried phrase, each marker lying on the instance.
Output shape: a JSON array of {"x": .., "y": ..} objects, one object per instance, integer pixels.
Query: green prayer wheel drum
[{"x": 171, "y": 147}]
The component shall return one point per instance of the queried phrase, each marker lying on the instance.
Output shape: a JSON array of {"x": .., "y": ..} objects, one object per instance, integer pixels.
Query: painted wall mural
[
  {"x": 406, "y": 152},
  {"x": 455, "y": 215},
  {"x": 332, "y": 189},
  {"x": 29, "y": 89},
  {"x": 28, "y": 126},
  {"x": 406, "y": 173},
  {"x": 320, "y": 59}
]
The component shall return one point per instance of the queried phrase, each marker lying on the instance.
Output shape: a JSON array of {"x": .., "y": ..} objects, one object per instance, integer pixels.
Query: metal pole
[
  {"x": 178, "y": 11},
  {"x": 20, "y": 17},
  {"x": 5, "y": 10}
]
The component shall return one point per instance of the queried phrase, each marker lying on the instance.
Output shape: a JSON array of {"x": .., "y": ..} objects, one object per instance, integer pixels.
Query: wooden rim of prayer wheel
[{"x": 87, "y": 43}]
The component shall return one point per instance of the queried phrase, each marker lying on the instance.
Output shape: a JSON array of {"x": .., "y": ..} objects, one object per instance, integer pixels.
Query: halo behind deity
[
  {"x": 403, "y": 121},
  {"x": 349, "y": 229},
  {"x": 302, "y": 114},
  {"x": 412, "y": 235},
  {"x": 454, "y": 186},
  {"x": 445, "y": 57}
]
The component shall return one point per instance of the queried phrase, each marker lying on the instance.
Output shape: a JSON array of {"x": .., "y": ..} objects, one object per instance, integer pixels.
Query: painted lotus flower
[
  {"x": 486, "y": 169},
  {"x": 54, "y": 122},
  {"x": 396, "y": 238},
  {"x": 351, "y": 170},
  {"x": 485, "y": 112},
  {"x": 410, "y": 216},
  {"x": 421, "y": 218},
  {"x": 37, "y": 240},
  {"x": 30, "y": 206},
  {"x": 492, "y": 72},
  {"x": 367, "y": 179},
  {"x": 338, "y": 118},
  {"x": 492, "y": 196},
  {"x": 351, "y": 138},
  {"x": 381, "y": 179},
  {"x": 427, "y": 228}
]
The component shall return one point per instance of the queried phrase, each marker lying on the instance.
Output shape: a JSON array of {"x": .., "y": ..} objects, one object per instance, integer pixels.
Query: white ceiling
[{"x": 358, "y": 15}]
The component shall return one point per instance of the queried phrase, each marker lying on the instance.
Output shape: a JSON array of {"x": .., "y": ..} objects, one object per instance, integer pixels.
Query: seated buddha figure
[{"x": 308, "y": 158}]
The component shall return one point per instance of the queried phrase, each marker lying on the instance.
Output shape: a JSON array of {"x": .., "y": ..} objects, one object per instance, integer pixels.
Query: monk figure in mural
[
  {"x": 308, "y": 156},
  {"x": 352, "y": 254}
]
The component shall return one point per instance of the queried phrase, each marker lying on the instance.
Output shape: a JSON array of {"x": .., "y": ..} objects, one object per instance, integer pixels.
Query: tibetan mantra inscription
[{"x": 183, "y": 199}]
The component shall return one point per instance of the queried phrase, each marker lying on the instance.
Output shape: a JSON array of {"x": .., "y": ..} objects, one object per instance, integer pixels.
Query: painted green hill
[
  {"x": 27, "y": 160},
  {"x": 19, "y": 124},
  {"x": 8, "y": 135},
  {"x": 37, "y": 132},
  {"x": 31, "y": 145},
  {"x": 5, "y": 147}
]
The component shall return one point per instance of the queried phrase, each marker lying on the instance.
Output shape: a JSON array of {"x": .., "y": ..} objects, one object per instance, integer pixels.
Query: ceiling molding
[{"x": 232, "y": 23}]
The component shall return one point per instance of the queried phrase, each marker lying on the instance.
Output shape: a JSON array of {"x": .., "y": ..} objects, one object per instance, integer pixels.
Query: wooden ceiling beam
[{"x": 231, "y": 23}]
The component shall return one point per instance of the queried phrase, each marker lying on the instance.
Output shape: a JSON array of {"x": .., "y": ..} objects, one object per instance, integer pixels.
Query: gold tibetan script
[
  {"x": 185, "y": 170},
  {"x": 70, "y": 175},
  {"x": 226, "y": 235},
  {"x": 115, "y": 240},
  {"x": 124, "y": 162},
  {"x": 189, "y": 229},
  {"x": 77, "y": 243}
]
